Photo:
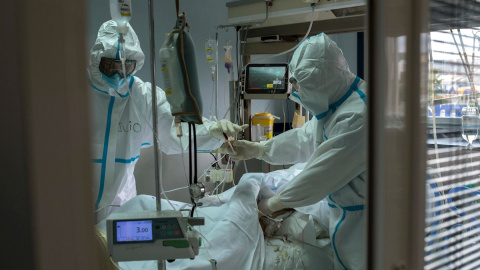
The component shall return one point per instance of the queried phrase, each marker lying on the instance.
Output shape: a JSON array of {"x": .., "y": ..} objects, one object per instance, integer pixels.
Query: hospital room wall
[{"x": 201, "y": 27}]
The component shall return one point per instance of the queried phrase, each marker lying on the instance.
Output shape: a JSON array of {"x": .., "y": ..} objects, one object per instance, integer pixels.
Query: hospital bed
[{"x": 233, "y": 237}]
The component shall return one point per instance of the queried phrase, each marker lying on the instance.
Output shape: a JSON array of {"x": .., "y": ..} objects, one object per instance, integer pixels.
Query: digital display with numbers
[{"x": 134, "y": 231}]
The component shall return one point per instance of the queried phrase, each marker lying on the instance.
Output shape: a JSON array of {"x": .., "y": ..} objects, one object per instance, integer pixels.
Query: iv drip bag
[
  {"x": 121, "y": 12},
  {"x": 179, "y": 71}
]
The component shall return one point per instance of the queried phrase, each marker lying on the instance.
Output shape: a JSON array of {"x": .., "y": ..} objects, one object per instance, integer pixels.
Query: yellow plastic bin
[{"x": 262, "y": 127}]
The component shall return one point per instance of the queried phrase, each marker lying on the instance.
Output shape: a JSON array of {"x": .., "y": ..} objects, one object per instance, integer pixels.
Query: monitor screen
[
  {"x": 134, "y": 231},
  {"x": 266, "y": 78}
]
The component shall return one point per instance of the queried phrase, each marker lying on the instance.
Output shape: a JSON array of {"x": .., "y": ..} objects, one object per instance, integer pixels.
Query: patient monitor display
[{"x": 266, "y": 78}]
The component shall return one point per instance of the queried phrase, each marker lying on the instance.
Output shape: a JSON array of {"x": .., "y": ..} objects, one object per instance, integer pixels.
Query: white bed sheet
[{"x": 232, "y": 234}]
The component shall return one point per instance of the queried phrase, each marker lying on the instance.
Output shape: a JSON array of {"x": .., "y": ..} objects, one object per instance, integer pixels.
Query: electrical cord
[
  {"x": 115, "y": 264},
  {"x": 192, "y": 173},
  {"x": 110, "y": 205},
  {"x": 298, "y": 44},
  {"x": 195, "y": 153},
  {"x": 217, "y": 166}
]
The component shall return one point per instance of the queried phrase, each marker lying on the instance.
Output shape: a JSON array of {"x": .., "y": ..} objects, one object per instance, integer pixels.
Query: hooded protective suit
[
  {"x": 122, "y": 123},
  {"x": 333, "y": 144}
]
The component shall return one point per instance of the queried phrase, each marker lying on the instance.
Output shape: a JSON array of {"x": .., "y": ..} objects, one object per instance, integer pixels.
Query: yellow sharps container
[{"x": 262, "y": 126}]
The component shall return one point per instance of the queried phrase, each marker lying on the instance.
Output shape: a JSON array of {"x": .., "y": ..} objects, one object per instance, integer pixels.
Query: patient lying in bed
[{"x": 233, "y": 235}]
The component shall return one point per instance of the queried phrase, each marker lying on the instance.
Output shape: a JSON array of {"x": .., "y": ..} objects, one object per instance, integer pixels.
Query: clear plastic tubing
[{"x": 121, "y": 12}]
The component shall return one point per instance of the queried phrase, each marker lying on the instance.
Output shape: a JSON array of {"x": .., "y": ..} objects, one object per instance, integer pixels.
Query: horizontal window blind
[
  {"x": 452, "y": 230},
  {"x": 452, "y": 223}
]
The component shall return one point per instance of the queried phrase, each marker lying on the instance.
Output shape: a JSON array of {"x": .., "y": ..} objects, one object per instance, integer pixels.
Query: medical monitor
[{"x": 266, "y": 78}]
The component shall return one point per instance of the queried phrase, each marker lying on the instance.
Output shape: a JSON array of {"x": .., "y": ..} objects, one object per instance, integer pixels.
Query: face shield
[{"x": 110, "y": 67}]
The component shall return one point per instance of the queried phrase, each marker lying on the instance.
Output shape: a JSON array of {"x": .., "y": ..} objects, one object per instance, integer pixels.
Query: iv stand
[{"x": 158, "y": 188}]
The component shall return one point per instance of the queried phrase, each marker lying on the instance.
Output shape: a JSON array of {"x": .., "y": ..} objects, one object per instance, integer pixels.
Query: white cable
[
  {"x": 183, "y": 162},
  {"x": 185, "y": 205},
  {"x": 298, "y": 44},
  {"x": 114, "y": 263},
  {"x": 165, "y": 195},
  {"x": 268, "y": 217},
  {"x": 175, "y": 189},
  {"x": 208, "y": 242},
  {"x": 111, "y": 205}
]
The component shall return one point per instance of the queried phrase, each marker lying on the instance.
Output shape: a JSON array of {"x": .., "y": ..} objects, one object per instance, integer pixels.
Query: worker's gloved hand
[
  {"x": 269, "y": 205},
  {"x": 263, "y": 209},
  {"x": 227, "y": 127},
  {"x": 243, "y": 150}
]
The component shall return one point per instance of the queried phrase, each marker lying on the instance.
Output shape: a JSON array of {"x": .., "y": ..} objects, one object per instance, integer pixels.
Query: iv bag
[
  {"x": 470, "y": 124},
  {"x": 121, "y": 12},
  {"x": 211, "y": 51},
  {"x": 179, "y": 71}
]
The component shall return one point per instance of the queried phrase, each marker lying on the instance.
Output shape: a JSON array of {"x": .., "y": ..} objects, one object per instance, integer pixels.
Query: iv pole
[{"x": 157, "y": 157}]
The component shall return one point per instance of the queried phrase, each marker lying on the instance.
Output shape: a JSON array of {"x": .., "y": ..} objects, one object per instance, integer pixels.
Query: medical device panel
[
  {"x": 165, "y": 235},
  {"x": 266, "y": 78}
]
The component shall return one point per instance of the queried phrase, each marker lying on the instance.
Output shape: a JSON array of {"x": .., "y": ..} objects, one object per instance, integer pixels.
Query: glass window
[{"x": 453, "y": 173}]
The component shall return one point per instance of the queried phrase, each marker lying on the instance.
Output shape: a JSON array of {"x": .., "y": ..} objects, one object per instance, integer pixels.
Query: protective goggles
[
  {"x": 294, "y": 83},
  {"x": 109, "y": 67}
]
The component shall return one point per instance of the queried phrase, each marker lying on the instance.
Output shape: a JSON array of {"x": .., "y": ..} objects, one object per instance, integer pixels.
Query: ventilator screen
[{"x": 266, "y": 78}]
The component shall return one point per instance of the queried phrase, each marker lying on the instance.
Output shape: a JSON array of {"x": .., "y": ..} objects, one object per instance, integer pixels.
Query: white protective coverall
[
  {"x": 333, "y": 144},
  {"x": 122, "y": 123}
]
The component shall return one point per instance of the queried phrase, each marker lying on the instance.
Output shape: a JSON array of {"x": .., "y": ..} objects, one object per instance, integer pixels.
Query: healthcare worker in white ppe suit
[
  {"x": 122, "y": 119},
  {"x": 333, "y": 143}
]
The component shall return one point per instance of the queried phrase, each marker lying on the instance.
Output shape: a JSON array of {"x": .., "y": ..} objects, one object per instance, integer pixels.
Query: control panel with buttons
[{"x": 164, "y": 235}]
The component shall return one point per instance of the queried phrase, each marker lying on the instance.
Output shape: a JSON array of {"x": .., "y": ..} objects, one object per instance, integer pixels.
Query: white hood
[
  {"x": 322, "y": 74},
  {"x": 106, "y": 45}
]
